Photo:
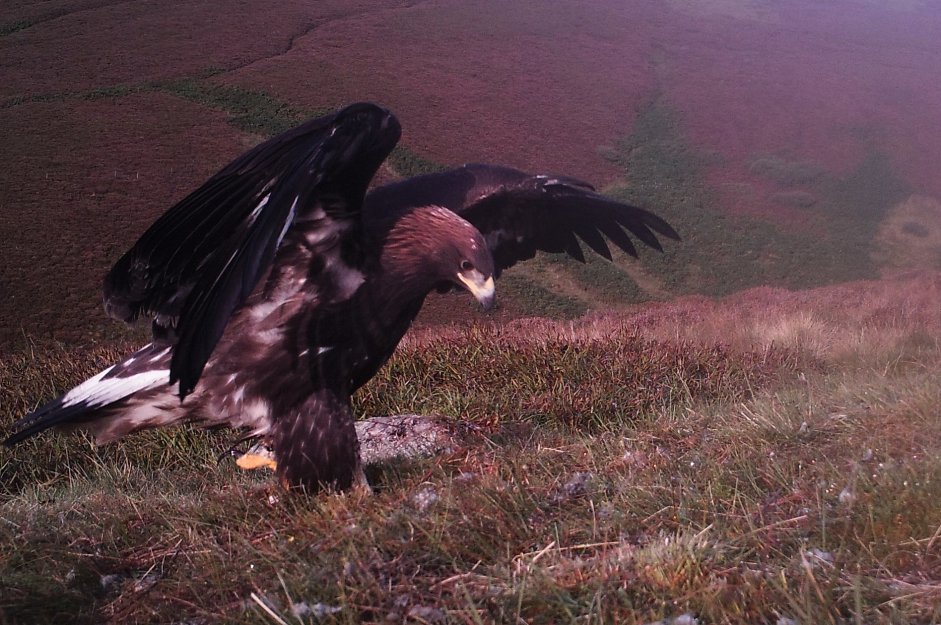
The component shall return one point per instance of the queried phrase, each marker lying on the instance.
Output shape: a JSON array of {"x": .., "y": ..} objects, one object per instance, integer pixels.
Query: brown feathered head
[{"x": 430, "y": 247}]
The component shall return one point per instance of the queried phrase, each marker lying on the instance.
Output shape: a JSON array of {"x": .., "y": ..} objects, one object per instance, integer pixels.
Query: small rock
[
  {"x": 318, "y": 610},
  {"x": 465, "y": 477},
  {"x": 847, "y": 497},
  {"x": 425, "y": 498},
  {"x": 575, "y": 486},
  {"x": 682, "y": 619},
  {"x": 108, "y": 582},
  {"x": 606, "y": 511},
  {"x": 426, "y": 614},
  {"x": 636, "y": 459},
  {"x": 818, "y": 555},
  {"x": 403, "y": 436},
  {"x": 147, "y": 582},
  {"x": 786, "y": 621},
  {"x": 401, "y": 601}
]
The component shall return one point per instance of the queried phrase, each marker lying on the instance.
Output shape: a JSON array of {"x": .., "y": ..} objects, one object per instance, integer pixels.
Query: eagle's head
[
  {"x": 431, "y": 247},
  {"x": 469, "y": 260}
]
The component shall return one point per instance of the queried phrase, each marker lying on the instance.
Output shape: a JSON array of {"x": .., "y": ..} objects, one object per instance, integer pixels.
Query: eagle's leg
[
  {"x": 261, "y": 457},
  {"x": 315, "y": 444}
]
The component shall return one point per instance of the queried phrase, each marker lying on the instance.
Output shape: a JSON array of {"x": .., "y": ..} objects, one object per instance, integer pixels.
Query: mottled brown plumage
[{"x": 279, "y": 287}]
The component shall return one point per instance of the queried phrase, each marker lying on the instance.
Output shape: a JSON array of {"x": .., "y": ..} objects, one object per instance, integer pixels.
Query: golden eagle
[{"x": 279, "y": 287}]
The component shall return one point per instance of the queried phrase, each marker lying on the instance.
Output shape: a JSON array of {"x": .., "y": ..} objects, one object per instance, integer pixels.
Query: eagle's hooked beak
[{"x": 479, "y": 287}]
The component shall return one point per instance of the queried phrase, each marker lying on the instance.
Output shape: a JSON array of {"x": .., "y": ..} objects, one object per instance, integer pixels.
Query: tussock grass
[
  {"x": 618, "y": 468},
  {"x": 559, "y": 375}
]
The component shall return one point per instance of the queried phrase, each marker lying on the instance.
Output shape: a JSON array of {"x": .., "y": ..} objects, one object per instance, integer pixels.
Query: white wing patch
[
  {"x": 101, "y": 392},
  {"x": 256, "y": 412},
  {"x": 257, "y": 210},
  {"x": 289, "y": 220},
  {"x": 110, "y": 386}
]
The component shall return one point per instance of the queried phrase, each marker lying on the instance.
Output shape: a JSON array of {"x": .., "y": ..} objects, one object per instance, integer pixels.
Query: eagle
[{"x": 280, "y": 286}]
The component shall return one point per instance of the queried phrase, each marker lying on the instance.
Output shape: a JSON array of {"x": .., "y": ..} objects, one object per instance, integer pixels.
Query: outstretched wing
[
  {"x": 197, "y": 263},
  {"x": 520, "y": 214}
]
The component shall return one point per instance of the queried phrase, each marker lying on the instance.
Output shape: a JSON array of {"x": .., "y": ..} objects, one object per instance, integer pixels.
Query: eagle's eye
[{"x": 466, "y": 265}]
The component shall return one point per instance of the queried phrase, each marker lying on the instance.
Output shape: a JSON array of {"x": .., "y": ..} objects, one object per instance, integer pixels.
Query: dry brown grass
[
  {"x": 738, "y": 482},
  {"x": 866, "y": 320},
  {"x": 775, "y": 454}
]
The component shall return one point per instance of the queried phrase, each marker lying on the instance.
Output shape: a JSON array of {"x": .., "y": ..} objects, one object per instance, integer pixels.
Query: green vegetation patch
[
  {"x": 249, "y": 110},
  {"x": 606, "y": 282},
  {"x": 722, "y": 254},
  {"x": 408, "y": 163},
  {"x": 12, "y": 27},
  {"x": 784, "y": 172},
  {"x": 532, "y": 299}
]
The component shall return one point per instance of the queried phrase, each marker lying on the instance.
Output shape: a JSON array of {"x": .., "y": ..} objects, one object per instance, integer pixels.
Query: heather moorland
[{"x": 743, "y": 429}]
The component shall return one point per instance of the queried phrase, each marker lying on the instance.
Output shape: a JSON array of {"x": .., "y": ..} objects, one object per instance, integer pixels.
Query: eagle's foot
[{"x": 258, "y": 456}]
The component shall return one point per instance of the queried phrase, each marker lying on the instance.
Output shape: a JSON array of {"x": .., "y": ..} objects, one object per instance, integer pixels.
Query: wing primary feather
[
  {"x": 617, "y": 236},
  {"x": 161, "y": 269},
  {"x": 656, "y": 223},
  {"x": 572, "y": 248},
  {"x": 590, "y": 235}
]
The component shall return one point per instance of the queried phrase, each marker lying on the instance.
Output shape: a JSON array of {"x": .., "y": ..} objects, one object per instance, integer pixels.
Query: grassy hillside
[
  {"x": 773, "y": 457},
  {"x": 839, "y": 233},
  {"x": 698, "y": 446},
  {"x": 722, "y": 253}
]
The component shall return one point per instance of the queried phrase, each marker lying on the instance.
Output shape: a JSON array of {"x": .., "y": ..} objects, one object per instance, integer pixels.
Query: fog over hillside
[
  {"x": 742, "y": 429},
  {"x": 792, "y": 143}
]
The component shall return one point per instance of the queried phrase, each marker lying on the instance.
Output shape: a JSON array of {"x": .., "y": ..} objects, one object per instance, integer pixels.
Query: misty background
[{"x": 793, "y": 144}]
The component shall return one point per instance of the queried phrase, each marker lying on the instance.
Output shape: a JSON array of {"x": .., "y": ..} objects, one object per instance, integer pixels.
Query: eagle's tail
[{"x": 145, "y": 370}]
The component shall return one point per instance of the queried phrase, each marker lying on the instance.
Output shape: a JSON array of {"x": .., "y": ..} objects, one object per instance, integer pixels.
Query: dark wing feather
[
  {"x": 201, "y": 260},
  {"x": 520, "y": 213}
]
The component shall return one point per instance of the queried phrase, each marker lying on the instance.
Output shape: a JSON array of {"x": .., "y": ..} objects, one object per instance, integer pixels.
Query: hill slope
[
  {"x": 788, "y": 143},
  {"x": 774, "y": 455}
]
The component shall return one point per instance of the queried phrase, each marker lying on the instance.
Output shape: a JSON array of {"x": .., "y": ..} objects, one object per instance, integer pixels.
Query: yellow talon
[{"x": 252, "y": 461}]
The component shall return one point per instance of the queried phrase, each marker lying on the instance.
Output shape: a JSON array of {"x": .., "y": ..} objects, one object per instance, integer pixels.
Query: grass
[
  {"x": 531, "y": 298},
  {"x": 723, "y": 254},
  {"x": 13, "y": 27},
  {"x": 248, "y": 110},
  {"x": 619, "y": 468}
]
